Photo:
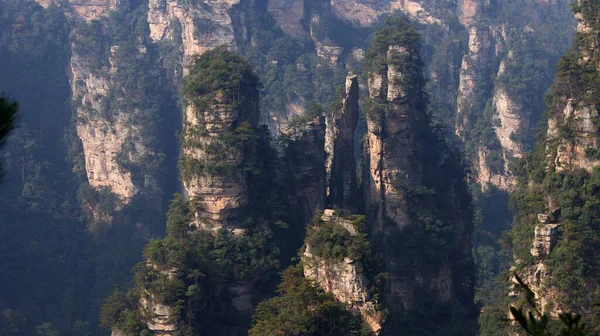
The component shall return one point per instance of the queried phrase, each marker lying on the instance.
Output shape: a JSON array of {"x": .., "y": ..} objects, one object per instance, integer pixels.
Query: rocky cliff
[
  {"x": 343, "y": 186},
  {"x": 404, "y": 164},
  {"x": 557, "y": 192},
  {"x": 395, "y": 113},
  {"x": 196, "y": 27},
  {"x": 303, "y": 159},
  {"x": 87, "y": 10},
  {"x": 113, "y": 115},
  {"x": 190, "y": 28},
  {"x": 345, "y": 278},
  {"x": 219, "y": 125}
]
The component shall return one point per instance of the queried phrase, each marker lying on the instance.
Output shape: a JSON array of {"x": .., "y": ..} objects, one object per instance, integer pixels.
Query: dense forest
[{"x": 299, "y": 167}]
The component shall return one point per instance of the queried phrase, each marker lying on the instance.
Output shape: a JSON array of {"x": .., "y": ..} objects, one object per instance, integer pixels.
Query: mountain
[
  {"x": 555, "y": 227},
  {"x": 102, "y": 94}
]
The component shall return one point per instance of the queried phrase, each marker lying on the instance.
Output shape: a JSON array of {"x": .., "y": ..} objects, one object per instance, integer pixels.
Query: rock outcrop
[
  {"x": 113, "y": 136},
  {"x": 569, "y": 164},
  {"x": 396, "y": 112},
  {"x": 198, "y": 26},
  {"x": 219, "y": 124},
  {"x": 574, "y": 152},
  {"x": 102, "y": 132},
  {"x": 345, "y": 280},
  {"x": 400, "y": 163},
  {"x": 304, "y": 159},
  {"x": 367, "y": 13},
  {"x": 87, "y": 10},
  {"x": 160, "y": 318},
  {"x": 289, "y": 15},
  {"x": 343, "y": 185},
  {"x": 537, "y": 274}
]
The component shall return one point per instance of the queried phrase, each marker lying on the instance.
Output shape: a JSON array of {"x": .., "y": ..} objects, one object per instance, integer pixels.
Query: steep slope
[
  {"x": 416, "y": 197},
  {"x": 221, "y": 113},
  {"x": 556, "y": 230},
  {"x": 202, "y": 276},
  {"x": 333, "y": 259}
]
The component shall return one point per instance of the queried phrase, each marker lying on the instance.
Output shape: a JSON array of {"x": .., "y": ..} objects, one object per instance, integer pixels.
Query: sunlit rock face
[
  {"x": 197, "y": 27},
  {"x": 398, "y": 160},
  {"x": 345, "y": 280},
  {"x": 218, "y": 197}
]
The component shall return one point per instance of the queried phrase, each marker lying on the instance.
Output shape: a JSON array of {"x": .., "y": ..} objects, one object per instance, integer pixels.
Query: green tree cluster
[{"x": 301, "y": 309}]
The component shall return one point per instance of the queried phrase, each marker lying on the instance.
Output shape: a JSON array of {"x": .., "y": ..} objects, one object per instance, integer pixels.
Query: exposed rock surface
[
  {"x": 87, "y": 10},
  {"x": 389, "y": 142},
  {"x": 343, "y": 185},
  {"x": 219, "y": 195},
  {"x": 366, "y": 13},
  {"x": 101, "y": 137},
  {"x": 509, "y": 122},
  {"x": 289, "y": 15},
  {"x": 200, "y": 26},
  {"x": 536, "y": 275},
  {"x": 570, "y": 153},
  {"x": 399, "y": 165},
  {"x": 544, "y": 239},
  {"x": 110, "y": 135},
  {"x": 304, "y": 157},
  {"x": 345, "y": 280}
]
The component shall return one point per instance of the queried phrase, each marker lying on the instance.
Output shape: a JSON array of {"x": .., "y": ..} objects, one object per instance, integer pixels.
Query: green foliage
[
  {"x": 536, "y": 323},
  {"x": 589, "y": 10},
  {"x": 288, "y": 66},
  {"x": 330, "y": 240},
  {"x": 117, "y": 312},
  {"x": 396, "y": 32},
  {"x": 302, "y": 309},
  {"x": 192, "y": 271},
  {"x": 220, "y": 70}
]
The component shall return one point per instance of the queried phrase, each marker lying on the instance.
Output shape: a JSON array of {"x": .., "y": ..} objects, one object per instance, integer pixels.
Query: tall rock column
[
  {"x": 396, "y": 110},
  {"x": 219, "y": 125},
  {"x": 416, "y": 197},
  {"x": 343, "y": 186}
]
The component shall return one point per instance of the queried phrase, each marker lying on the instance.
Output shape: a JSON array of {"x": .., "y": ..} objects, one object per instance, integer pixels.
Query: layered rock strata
[
  {"x": 198, "y": 26},
  {"x": 345, "y": 280},
  {"x": 396, "y": 112},
  {"x": 213, "y": 173}
]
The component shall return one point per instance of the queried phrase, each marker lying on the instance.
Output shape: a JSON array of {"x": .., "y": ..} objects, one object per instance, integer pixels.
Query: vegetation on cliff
[
  {"x": 429, "y": 227},
  {"x": 565, "y": 196},
  {"x": 303, "y": 309}
]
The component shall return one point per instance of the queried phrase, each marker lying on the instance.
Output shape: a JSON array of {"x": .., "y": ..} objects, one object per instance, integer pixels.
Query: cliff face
[
  {"x": 494, "y": 65},
  {"x": 345, "y": 279},
  {"x": 87, "y": 10},
  {"x": 563, "y": 169},
  {"x": 343, "y": 185},
  {"x": 304, "y": 156},
  {"x": 197, "y": 27},
  {"x": 368, "y": 13},
  {"x": 218, "y": 126},
  {"x": 194, "y": 28},
  {"x": 102, "y": 131},
  {"x": 112, "y": 115},
  {"x": 396, "y": 112},
  {"x": 402, "y": 166}
]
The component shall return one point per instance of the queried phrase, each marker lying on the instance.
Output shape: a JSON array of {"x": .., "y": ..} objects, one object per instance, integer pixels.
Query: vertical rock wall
[{"x": 343, "y": 185}]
